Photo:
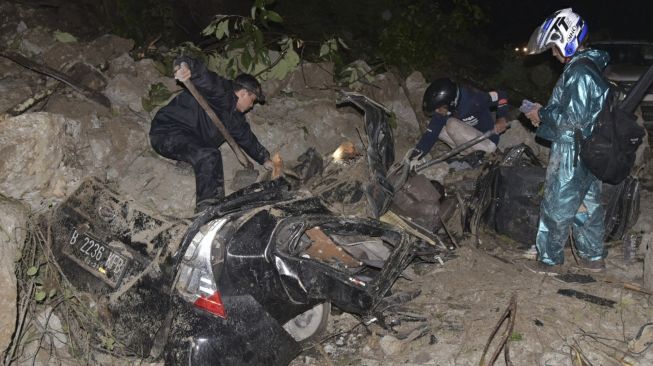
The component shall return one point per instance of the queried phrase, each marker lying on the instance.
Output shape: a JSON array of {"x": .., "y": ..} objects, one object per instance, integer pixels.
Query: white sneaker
[{"x": 531, "y": 253}]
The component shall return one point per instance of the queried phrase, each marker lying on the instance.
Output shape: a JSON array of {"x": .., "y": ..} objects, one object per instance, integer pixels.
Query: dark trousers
[{"x": 206, "y": 161}]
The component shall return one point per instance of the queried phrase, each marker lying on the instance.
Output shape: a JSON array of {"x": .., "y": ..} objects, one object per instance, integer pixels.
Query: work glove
[{"x": 412, "y": 157}]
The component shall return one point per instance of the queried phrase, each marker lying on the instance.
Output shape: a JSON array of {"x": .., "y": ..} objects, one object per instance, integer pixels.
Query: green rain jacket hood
[{"x": 576, "y": 99}]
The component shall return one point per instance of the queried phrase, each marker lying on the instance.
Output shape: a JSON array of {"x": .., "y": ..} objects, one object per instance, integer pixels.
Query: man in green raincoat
[{"x": 572, "y": 193}]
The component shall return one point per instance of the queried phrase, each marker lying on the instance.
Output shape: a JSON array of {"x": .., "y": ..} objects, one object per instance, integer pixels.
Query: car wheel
[{"x": 306, "y": 326}]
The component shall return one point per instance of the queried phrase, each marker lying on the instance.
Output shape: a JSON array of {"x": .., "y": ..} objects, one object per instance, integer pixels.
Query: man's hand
[
  {"x": 274, "y": 164},
  {"x": 534, "y": 115},
  {"x": 501, "y": 125},
  {"x": 182, "y": 72}
]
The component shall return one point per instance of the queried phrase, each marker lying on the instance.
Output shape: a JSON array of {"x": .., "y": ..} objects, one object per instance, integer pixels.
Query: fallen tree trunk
[{"x": 46, "y": 70}]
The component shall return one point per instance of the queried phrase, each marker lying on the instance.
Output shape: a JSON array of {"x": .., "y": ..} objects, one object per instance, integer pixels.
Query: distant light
[
  {"x": 516, "y": 49},
  {"x": 525, "y": 49}
]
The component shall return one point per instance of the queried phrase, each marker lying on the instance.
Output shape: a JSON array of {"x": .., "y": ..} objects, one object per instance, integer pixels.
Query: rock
[
  {"x": 31, "y": 157},
  {"x": 330, "y": 349},
  {"x": 122, "y": 65},
  {"x": 64, "y": 54},
  {"x": 291, "y": 126},
  {"x": 160, "y": 184},
  {"x": 437, "y": 172},
  {"x": 105, "y": 48},
  {"x": 13, "y": 91},
  {"x": 35, "y": 41},
  {"x": 517, "y": 134},
  {"x": 50, "y": 324},
  {"x": 416, "y": 85},
  {"x": 390, "y": 345},
  {"x": 126, "y": 91},
  {"x": 309, "y": 80},
  {"x": 13, "y": 221}
]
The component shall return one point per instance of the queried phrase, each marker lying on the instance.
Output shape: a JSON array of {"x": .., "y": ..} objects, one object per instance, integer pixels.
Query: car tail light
[{"x": 195, "y": 281}]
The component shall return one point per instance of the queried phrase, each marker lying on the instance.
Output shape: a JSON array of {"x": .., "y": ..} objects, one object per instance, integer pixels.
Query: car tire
[{"x": 307, "y": 326}]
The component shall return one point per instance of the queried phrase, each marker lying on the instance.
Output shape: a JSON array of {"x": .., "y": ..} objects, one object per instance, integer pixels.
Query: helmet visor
[{"x": 537, "y": 43}]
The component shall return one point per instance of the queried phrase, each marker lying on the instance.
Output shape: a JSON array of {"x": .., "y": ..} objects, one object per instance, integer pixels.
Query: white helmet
[{"x": 564, "y": 29}]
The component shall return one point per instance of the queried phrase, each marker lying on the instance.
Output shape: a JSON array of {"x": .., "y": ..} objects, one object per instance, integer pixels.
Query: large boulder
[
  {"x": 388, "y": 90},
  {"x": 13, "y": 223},
  {"x": 32, "y": 152},
  {"x": 160, "y": 184},
  {"x": 416, "y": 85}
]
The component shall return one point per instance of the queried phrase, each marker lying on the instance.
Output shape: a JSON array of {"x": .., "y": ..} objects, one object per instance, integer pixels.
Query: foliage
[
  {"x": 354, "y": 74},
  {"x": 426, "y": 33},
  {"x": 44, "y": 293},
  {"x": 157, "y": 95},
  {"x": 140, "y": 20},
  {"x": 244, "y": 48}
]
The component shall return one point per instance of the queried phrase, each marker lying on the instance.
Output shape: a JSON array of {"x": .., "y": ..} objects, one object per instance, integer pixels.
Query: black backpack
[{"x": 609, "y": 152}]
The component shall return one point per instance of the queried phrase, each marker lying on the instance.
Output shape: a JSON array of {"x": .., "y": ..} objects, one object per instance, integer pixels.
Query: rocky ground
[{"x": 46, "y": 151}]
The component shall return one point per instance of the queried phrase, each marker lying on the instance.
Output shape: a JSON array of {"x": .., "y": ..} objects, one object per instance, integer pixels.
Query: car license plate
[{"x": 96, "y": 257}]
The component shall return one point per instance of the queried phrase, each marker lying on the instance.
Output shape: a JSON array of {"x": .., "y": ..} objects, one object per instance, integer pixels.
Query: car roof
[{"x": 622, "y": 42}]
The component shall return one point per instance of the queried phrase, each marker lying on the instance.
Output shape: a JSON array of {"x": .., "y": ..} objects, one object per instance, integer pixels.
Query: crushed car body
[
  {"x": 508, "y": 195},
  {"x": 247, "y": 281}
]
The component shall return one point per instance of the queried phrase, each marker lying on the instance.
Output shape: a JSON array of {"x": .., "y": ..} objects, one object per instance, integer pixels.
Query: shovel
[
  {"x": 399, "y": 174},
  {"x": 455, "y": 150},
  {"x": 245, "y": 176}
]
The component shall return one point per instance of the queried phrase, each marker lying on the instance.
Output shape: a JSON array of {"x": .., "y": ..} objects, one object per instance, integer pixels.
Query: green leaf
[
  {"x": 158, "y": 95},
  {"x": 210, "y": 29},
  {"x": 274, "y": 16},
  {"x": 237, "y": 43},
  {"x": 52, "y": 293},
  {"x": 342, "y": 43},
  {"x": 253, "y": 10},
  {"x": 292, "y": 58},
  {"x": 39, "y": 296},
  {"x": 246, "y": 60},
  {"x": 324, "y": 49},
  {"x": 258, "y": 39},
  {"x": 64, "y": 37},
  {"x": 222, "y": 30},
  {"x": 108, "y": 343},
  {"x": 68, "y": 293},
  {"x": 32, "y": 271}
]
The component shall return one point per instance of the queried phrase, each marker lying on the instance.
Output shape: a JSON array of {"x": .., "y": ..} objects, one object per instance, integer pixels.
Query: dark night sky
[{"x": 513, "y": 21}]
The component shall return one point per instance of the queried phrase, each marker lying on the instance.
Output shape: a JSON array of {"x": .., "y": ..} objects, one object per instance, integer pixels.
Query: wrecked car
[
  {"x": 508, "y": 195},
  {"x": 247, "y": 281}
]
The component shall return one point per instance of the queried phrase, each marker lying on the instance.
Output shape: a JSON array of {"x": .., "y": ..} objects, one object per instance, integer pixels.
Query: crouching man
[
  {"x": 183, "y": 131},
  {"x": 459, "y": 114}
]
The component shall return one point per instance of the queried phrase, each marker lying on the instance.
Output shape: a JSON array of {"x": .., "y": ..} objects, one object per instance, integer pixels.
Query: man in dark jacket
[
  {"x": 460, "y": 114},
  {"x": 183, "y": 131}
]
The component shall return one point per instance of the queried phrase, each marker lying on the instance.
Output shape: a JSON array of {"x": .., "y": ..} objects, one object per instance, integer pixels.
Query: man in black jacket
[{"x": 183, "y": 131}]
